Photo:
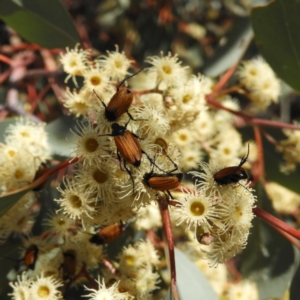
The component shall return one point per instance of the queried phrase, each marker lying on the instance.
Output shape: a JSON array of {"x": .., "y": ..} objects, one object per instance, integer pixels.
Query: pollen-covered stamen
[
  {"x": 167, "y": 69},
  {"x": 183, "y": 137},
  {"x": 74, "y": 201},
  {"x": 19, "y": 174},
  {"x": 43, "y": 291},
  {"x": 95, "y": 80},
  {"x": 197, "y": 208},
  {"x": 186, "y": 99},
  {"x": 130, "y": 260},
  {"x": 100, "y": 176},
  {"x": 25, "y": 134},
  {"x": 91, "y": 145}
]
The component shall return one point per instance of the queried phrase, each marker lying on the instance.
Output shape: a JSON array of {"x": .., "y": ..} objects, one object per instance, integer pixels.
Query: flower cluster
[
  {"x": 42, "y": 288},
  {"x": 219, "y": 214},
  {"x": 103, "y": 191},
  {"x": 25, "y": 148},
  {"x": 138, "y": 264},
  {"x": 290, "y": 150},
  {"x": 261, "y": 82},
  {"x": 127, "y": 142},
  {"x": 104, "y": 292}
]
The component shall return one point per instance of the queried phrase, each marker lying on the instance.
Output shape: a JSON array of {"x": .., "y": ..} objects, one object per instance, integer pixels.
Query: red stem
[
  {"x": 167, "y": 227},
  {"x": 5, "y": 59},
  {"x": 224, "y": 79},
  {"x": 289, "y": 238},
  {"x": 276, "y": 223},
  {"x": 258, "y": 168},
  {"x": 43, "y": 178},
  {"x": 210, "y": 99}
]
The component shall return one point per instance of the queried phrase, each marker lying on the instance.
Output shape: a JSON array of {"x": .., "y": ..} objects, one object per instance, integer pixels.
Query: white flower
[
  {"x": 105, "y": 293},
  {"x": 195, "y": 209},
  {"x": 45, "y": 288},
  {"x": 21, "y": 288},
  {"x": 168, "y": 69},
  {"x": 74, "y": 62},
  {"x": 115, "y": 64}
]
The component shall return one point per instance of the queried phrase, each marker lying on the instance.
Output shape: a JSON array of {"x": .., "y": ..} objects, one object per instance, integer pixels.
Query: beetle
[
  {"x": 108, "y": 234},
  {"x": 69, "y": 264},
  {"x": 119, "y": 103},
  {"x": 128, "y": 147},
  {"x": 30, "y": 256},
  {"x": 163, "y": 182},
  {"x": 232, "y": 174}
]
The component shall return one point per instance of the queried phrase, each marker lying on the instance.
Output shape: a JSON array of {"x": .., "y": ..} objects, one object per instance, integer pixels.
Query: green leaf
[
  {"x": 9, "y": 255},
  {"x": 295, "y": 287},
  {"x": 192, "y": 284},
  {"x": 61, "y": 139},
  {"x": 269, "y": 259},
  {"x": 276, "y": 29},
  {"x": 229, "y": 54},
  {"x": 4, "y": 125},
  {"x": 6, "y": 202},
  {"x": 273, "y": 159},
  {"x": 169, "y": 295},
  {"x": 42, "y": 22}
]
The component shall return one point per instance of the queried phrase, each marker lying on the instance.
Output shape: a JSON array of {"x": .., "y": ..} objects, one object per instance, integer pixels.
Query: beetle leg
[
  {"x": 153, "y": 163},
  {"x": 136, "y": 136},
  {"x": 126, "y": 168},
  {"x": 130, "y": 174},
  {"x": 174, "y": 164},
  {"x": 170, "y": 195},
  {"x": 133, "y": 119}
]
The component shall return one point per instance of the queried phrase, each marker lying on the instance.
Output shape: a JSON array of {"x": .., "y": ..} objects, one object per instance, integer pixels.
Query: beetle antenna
[
  {"x": 126, "y": 78},
  {"x": 153, "y": 162},
  {"x": 244, "y": 158},
  {"x": 99, "y": 99},
  {"x": 243, "y": 187}
]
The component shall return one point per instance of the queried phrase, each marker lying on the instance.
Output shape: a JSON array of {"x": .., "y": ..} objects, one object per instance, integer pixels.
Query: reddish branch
[
  {"x": 258, "y": 168},
  {"x": 210, "y": 99},
  {"x": 44, "y": 177},
  {"x": 167, "y": 227},
  {"x": 276, "y": 223}
]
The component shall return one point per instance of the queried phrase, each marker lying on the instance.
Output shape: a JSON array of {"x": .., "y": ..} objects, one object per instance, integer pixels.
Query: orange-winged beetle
[
  {"x": 120, "y": 102},
  {"x": 167, "y": 181},
  {"x": 30, "y": 256},
  {"x": 163, "y": 182},
  {"x": 108, "y": 234},
  {"x": 232, "y": 174},
  {"x": 128, "y": 147},
  {"x": 69, "y": 264}
]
